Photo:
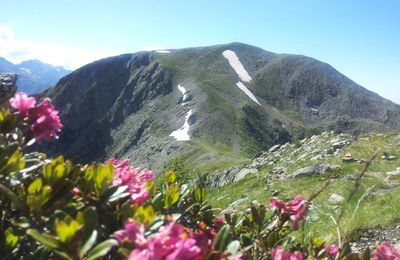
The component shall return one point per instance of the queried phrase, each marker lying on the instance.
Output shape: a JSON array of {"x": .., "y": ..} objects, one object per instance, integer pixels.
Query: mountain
[
  {"x": 212, "y": 106},
  {"x": 34, "y": 76}
]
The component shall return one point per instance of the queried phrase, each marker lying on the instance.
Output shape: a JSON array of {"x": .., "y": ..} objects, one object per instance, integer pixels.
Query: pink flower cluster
[
  {"x": 42, "y": 118},
  {"x": 386, "y": 251},
  {"x": 279, "y": 253},
  {"x": 332, "y": 250},
  {"x": 131, "y": 177},
  {"x": 170, "y": 242},
  {"x": 295, "y": 209}
]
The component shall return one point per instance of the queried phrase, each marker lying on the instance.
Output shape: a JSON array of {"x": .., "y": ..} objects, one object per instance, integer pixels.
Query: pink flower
[
  {"x": 42, "y": 119},
  {"x": 45, "y": 122},
  {"x": 386, "y": 251},
  {"x": 279, "y": 253},
  {"x": 129, "y": 176},
  {"x": 295, "y": 209},
  {"x": 170, "y": 242},
  {"x": 133, "y": 232},
  {"x": 22, "y": 102},
  {"x": 76, "y": 191},
  {"x": 334, "y": 250}
]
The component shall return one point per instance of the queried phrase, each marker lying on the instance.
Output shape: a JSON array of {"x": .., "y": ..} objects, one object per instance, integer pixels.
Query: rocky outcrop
[
  {"x": 312, "y": 170},
  {"x": 8, "y": 86}
]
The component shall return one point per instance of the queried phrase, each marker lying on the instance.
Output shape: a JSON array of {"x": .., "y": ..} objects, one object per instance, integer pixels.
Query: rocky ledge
[{"x": 8, "y": 86}]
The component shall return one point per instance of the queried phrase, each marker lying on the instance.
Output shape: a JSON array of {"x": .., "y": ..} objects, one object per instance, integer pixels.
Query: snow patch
[
  {"x": 236, "y": 65},
  {"x": 26, "y": 70},
  {"x": 182, "y": 134},
  {"x": 163, "y": 51},
  {"x": 185, "y": 94},
  {"x": 247, "y": 92}
]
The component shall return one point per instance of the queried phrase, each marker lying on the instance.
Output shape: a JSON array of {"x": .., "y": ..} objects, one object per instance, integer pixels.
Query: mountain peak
[{"x": 227, "y": 106}]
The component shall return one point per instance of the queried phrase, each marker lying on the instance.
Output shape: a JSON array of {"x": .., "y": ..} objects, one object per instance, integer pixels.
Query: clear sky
[{"x": 360, "y": 38}]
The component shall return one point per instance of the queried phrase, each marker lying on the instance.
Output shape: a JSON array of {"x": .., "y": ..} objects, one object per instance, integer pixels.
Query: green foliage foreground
[{"x": 53, "y": 209}]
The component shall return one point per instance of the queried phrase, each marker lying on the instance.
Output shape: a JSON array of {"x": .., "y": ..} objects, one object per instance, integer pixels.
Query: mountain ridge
[
  {"x": 34, "y": 76},
  {"x": 128, "y": 105}
]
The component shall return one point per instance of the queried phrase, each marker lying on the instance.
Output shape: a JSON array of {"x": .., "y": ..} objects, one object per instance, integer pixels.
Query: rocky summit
[
  {"x": 7, "y": 86},
  {"x": 218, "y": 104}
]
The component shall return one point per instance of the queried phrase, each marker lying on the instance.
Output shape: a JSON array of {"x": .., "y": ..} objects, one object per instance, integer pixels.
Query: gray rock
[
  {"x": 340, "y": 144},
  {"x": 8, "y": 86},
  {"x": 394, "y": 173},
  {"x": 274, "y": 148},
  {"x": 236, "y": 205},
  {"x": 336, "y": 199},
  {"x": 243, "y": 172},
  {"x": 313, "y": 170}
]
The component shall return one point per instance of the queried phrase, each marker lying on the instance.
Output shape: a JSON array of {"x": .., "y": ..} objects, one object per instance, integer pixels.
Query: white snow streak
[
  {"x": 182, "y": 134},
  {"x": 247, "y": 92},
  {"x": 163, "y": 51},
  {"x": 184, "y": 94},
  {"x": 241, "y": 71},
  {"x": 236, "y": 65}
]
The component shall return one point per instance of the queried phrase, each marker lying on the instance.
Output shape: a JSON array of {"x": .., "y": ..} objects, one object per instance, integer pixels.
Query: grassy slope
[{"x": 376, "y": 210}]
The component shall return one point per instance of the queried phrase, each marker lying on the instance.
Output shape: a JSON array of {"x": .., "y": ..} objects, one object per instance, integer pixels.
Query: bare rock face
[{"x": 8, "y": 86}]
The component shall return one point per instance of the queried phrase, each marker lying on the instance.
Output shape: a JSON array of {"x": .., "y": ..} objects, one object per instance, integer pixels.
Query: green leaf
[
  {"x": 272, "y": 239},
  {"x": 222, "y": 238},
  {"x": 10, "y": 195},
  {"x": 145, "y": 215},
  {"x": 318, "y": 242},
  {"x": 119, "y": 193},
  {"x": 66, "y": 229},
  {"x": 171, "y": 196},
  {"x": 98, "y": 178},
  {"x": 156, "y": 201},
  {"x": 88, "y": 244},
  {"x": 90, "y": 222},
  {"x": 35, "y": 187},
  {"x": 11, "y": 238},
  {"x": 46, "y": 240},
  {"x": 234, "y": 247},
  {"x": 101, "y": 249},
  {"x": 14, "y": 163},
  {"x": 171, "y": 177},
  {"x": 200, "y": 194}
]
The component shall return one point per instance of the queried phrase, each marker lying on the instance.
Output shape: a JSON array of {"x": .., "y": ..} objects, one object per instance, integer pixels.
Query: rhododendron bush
[{"x": 51, "y": 208}]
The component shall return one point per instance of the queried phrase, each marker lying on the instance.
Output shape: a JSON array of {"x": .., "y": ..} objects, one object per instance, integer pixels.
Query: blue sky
[{"x": 361, "y": 39}]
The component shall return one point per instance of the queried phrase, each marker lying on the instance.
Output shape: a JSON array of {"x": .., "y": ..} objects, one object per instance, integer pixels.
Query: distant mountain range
[
  {"x": 34, "y": 76},
  {"x": 208, "y": 105}
]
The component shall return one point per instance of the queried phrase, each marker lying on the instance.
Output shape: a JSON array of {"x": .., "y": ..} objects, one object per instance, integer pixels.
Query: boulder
[
  {"x": 394, "y": 173},
  {"x": 313, "y": 170},
  {"x": 243, "y": 172},
  {"x": 8, "y": 86},
  {"x": 340, "y": 144},
  {"x": 274, "y": 148}
]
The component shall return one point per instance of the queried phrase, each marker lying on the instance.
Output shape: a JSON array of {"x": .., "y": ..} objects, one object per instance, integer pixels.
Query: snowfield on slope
[
  {"x": 242, "y": 73},
  {"x": 182, "y": 134},
  {"x": 237, "y": 65},
  {"x": 247, "y": 92}
]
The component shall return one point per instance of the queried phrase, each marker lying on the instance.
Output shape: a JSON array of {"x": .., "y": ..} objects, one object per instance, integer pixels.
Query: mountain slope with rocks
[
  {"x": 34, "y": 76},
  {"x": 212, "y": 106}
]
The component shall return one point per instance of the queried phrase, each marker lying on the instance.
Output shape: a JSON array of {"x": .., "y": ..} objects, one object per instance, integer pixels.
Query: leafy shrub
[{"x": 53, "y": 209}]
